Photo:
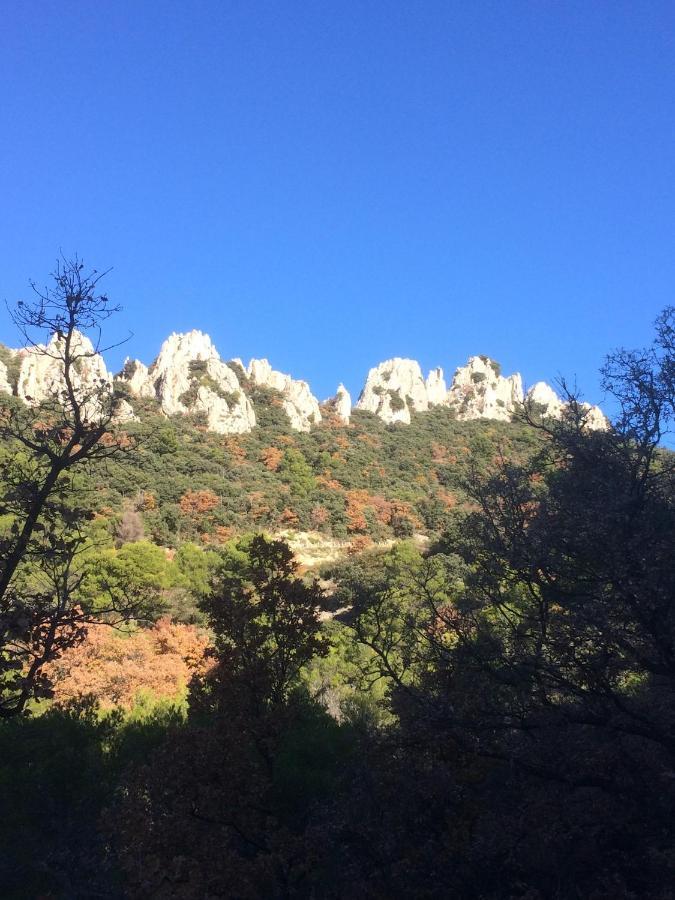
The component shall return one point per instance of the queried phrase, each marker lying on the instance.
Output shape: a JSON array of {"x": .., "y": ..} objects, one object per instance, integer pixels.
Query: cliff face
[
  {"x": 41, "y": 376},
  {"x": 480, "y": 391},
  {"x": 188, "y": 376},
  {"x": 396, "y": 387},
  {"x": 393, "y": 389},
  {"x": 341, "y": 404},
  {"x": 300, "y": 405}
]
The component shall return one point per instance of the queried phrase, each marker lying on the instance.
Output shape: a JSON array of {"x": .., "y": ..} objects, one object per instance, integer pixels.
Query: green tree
[
  {"x": 296, "y": 472},
  {"x": 265, "y": 620}
]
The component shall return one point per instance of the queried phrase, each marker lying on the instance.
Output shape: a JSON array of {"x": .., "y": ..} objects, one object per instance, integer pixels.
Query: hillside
[
  {"x": 364, "y": 480},
  {"x": 221, "y": 449}
]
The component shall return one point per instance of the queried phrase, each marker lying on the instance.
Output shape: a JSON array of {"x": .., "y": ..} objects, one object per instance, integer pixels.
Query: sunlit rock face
[
  {"x": 341, "y": 404},
  {"x": 393, "y": 389},
  {"x": 594, "y": 418},
  {"x": 188, "y": 376},
  {"x": 42, "y": 376},
  {"x": 437, "y": 392},
  {"x": 299, "y": 404},
  {"x": 123, "y": 412},
  {"x": 480, "y": 391},
  {"x": 137, "y": 376},
  {"x": 542, "y": 400},
  {"x": 5, "y": 386}
]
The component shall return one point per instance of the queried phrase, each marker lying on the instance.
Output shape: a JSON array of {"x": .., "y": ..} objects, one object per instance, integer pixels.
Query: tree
[
  {"x": 556, "y": 662},
  {"x": 223, "y": 806},
  {"x": 265, "y": 620},
  {"x": 535, "y": 745},
  {"x": 54, "y": 439}
]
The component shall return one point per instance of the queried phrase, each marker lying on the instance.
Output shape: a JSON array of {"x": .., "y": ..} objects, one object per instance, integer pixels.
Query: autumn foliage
[
  {"x": 271, "y": 458},
  {"x": 113, "y": 668},
  {"x": 197, "y": 503}
]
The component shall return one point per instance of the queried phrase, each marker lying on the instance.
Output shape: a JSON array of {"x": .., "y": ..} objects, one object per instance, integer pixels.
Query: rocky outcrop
[
  {"x": 437, "y": 392},
  {"x": 393, "y": 389},
  {"x": 42, "y": 378},
  {"x": 300, "y": 405},
  {"x": 480, "y": 391},
  {"x": 543, "y": 401},
  {"x": 123, "y": 412},
  {"x": 5, "y": 386},
  {"x": 137, "y": 377},
  {"x": 188, "y": 376},
  {"x": 396, "y": 388},
  {"x": 594, "y": 418},
  {"x": 341, "y": 404}
]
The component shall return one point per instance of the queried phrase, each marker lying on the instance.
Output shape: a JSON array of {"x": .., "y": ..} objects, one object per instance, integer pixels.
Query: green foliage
[
  {"x": 138, "y": 570},
  {"x": 13, "y": 363},
  {"x": 264, "y": 619},
  {"x": 396, "y": 402},
  {"x": 297, "y": 473},
  {"x": 58, "y": 772}
]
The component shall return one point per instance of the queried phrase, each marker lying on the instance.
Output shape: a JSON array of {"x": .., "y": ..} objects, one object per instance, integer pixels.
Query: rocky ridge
[{"x": 189, "y": 376}]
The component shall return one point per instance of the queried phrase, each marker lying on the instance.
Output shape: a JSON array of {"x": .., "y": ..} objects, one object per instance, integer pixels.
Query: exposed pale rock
[
  {"x": 123, "y": 412},
  {"x": 478, "y": 391},
  {"x": 5, "y": 386},
  {"x": 393, "y": 388},
  {"x": 299, "y": 404},
  {"x": 188, "y": 376},
  {"x": 172, "y": 373},
  {"x": 42, "y": 376},
  {"x": 341, "y": 404},
  {"x": 137, "y": 376},
  {"x": 594, "y": 418},
  {"x": 436, "y": 388},
  {"x": 544, "y": 400}
]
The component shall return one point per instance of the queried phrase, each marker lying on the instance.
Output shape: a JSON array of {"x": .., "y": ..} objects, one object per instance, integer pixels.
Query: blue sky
[{"x": 333, "y": 184}]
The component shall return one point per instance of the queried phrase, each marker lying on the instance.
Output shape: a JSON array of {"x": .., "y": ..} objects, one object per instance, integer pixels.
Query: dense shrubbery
[{"x": 275, "y": 477}]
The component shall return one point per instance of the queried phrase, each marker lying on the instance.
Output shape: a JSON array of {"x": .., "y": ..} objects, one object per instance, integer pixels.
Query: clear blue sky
[{"x": 333, "y": 184}]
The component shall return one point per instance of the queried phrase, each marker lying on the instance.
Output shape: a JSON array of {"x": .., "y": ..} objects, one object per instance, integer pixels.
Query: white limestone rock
[
  {"x": 479, "y": 391},
  {"x": 594, "y": 418},
  {"x": 299, "y": 404},
  {"x": 137, "y": 376},
  {"x": 5, "y": 386},
  {"x": 543, "y": 400},
  {"x": 393, "y": 389},
  {"x": 42, "y": 378},
  {"x": 341, "y": 404},
  {"x": 548, "y": 404},
  {"x": 123, "y": 412},
  {"x": 437, "y": 391},
  {"x": 188, "y": 376}
]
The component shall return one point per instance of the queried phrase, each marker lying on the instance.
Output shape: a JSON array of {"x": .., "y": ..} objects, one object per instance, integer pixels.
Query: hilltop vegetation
[{"x": 366, "y": 479}]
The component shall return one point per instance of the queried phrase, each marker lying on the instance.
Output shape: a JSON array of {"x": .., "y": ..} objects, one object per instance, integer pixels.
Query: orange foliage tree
[
  {"x": 113, "y": 668},
  {"x": 196, "y": 504},
  {"x": 271, "y": 458}
]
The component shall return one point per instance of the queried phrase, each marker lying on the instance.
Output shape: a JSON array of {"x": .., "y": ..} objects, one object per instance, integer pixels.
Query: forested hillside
[{"x": 366, "y": 479}]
